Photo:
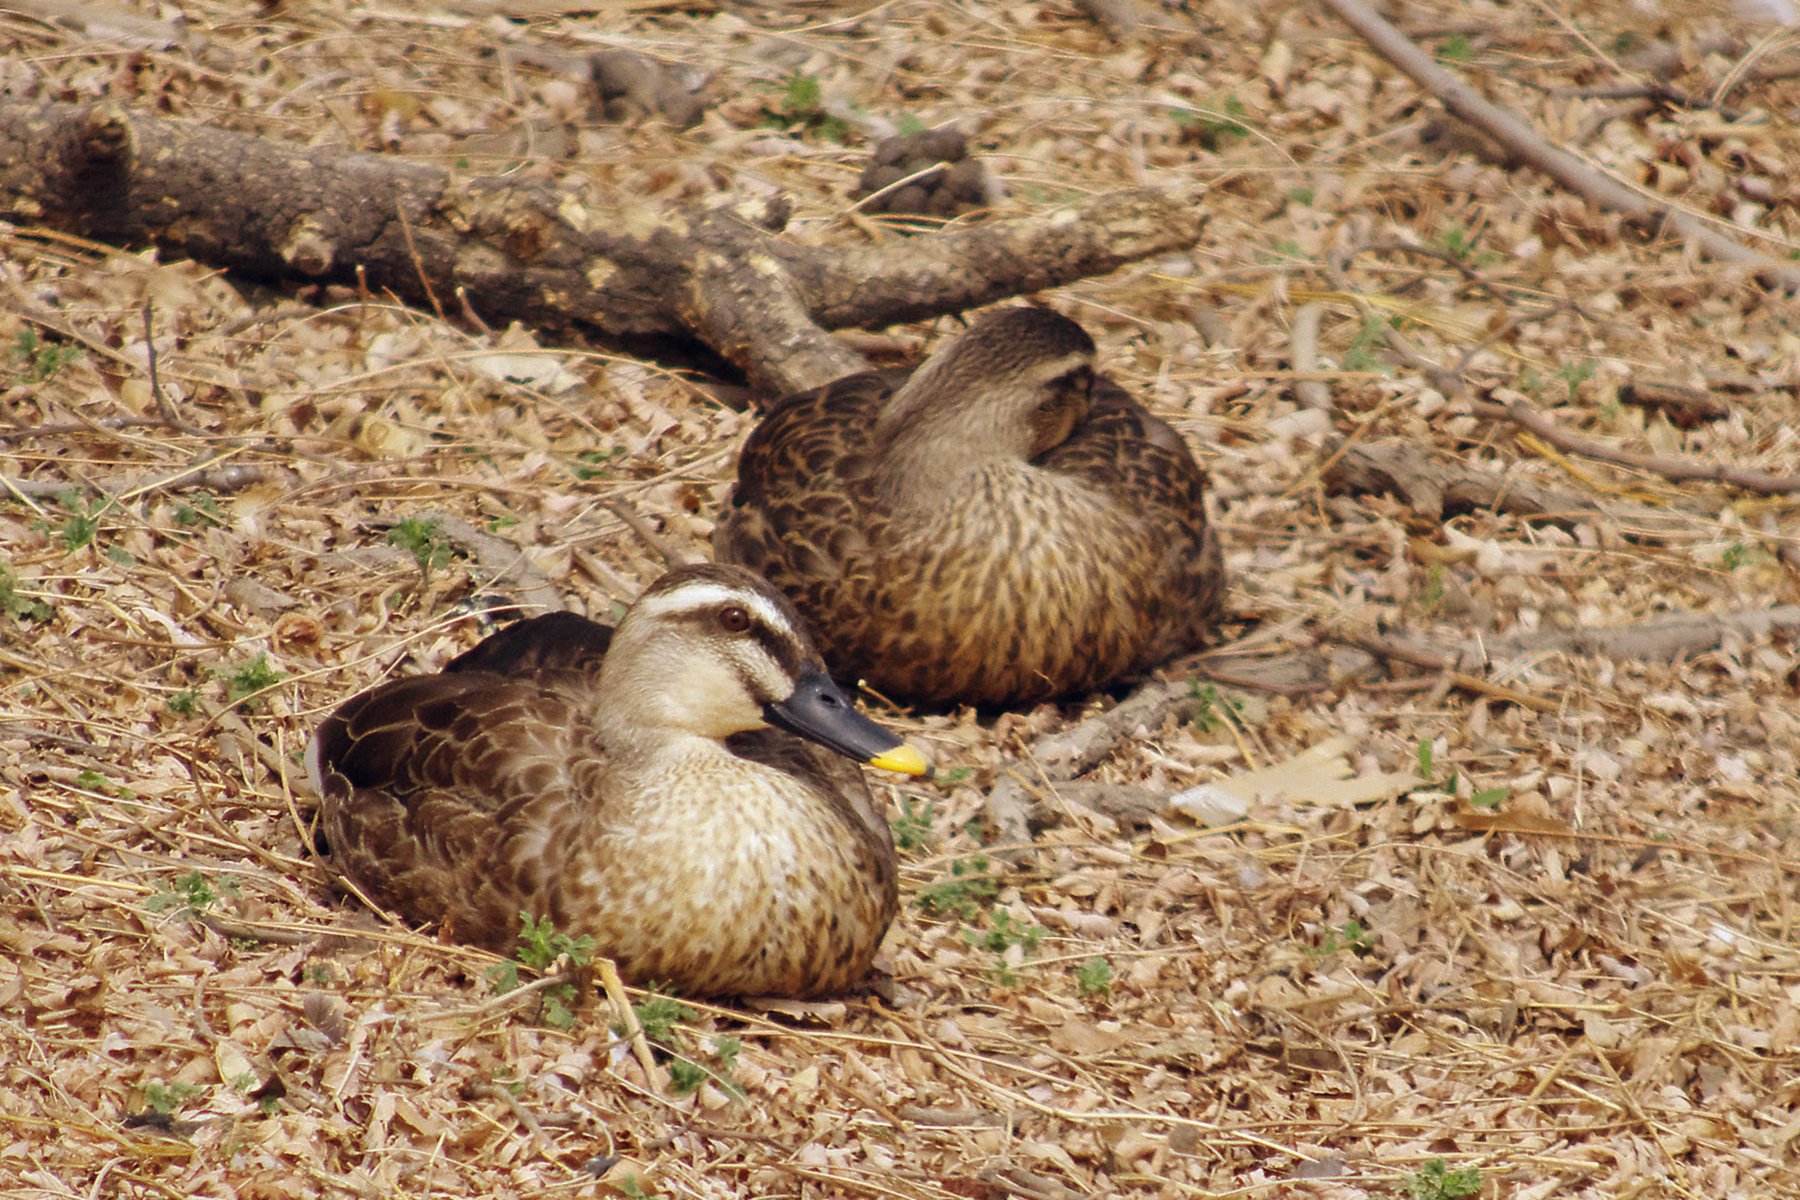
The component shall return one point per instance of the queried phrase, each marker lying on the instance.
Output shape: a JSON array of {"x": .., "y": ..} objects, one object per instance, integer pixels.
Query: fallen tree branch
[
  {"x": 206, "y": 476},
  {"x": 1534, "y": 151},
  {"x": 640, "y": 280},
  {"x": 1676, "y": 470},
  {"x": 1455, "y": 678},
  {"x": 1520, "y": 413},
  {"x": 1670, "y": 638},
  {"x": 1437, "y": 486}
]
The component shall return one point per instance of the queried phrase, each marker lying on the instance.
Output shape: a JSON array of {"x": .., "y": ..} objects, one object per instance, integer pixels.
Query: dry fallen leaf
[{"x": 1321, "y": 774}]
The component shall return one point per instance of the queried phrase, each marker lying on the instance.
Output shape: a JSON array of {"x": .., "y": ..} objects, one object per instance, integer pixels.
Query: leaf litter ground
[{"x": 1567, "y": 962}]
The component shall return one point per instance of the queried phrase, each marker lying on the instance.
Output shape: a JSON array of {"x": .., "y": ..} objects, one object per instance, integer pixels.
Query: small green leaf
[
  {"x": 803, "y": 94},
  {"x": 592, "y": 464},
  {"x": 540, "y": 945},
  {"x": 1489, "y": 797},
  {"x": 253, "y": 677},
  {"x": 165, "y": 1098},
  {"x": 1093, "y": 978},
  {"x": 912, "y": 827},
  {"x": 1005, "y": 933},
  {"x": 1435, "y": 1181},
  {"x": 16, "y": 605},
  {"x": 420, "y": 539},
  {"x": 685, "y": 1076},
  {"x": 961, "y": 892},
  {"x": 504, "y": 977},
  {"x": 191, "y": 892},
  {"x": 1349, "y": 936},
  {"x": 41, "y": 360},
  {"x": 203, "y": 510},
  {"x": 659, "y": 1015}
]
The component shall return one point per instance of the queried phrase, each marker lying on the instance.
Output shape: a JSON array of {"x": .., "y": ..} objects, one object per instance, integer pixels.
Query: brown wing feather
[
  {"x": 432, "y": 783},
  {"x": 559, "y": 641},
  {"x": 1024, "y": 592},
  {"x": 1124, "y": 451},
  {"x": 808, "y": 541}
]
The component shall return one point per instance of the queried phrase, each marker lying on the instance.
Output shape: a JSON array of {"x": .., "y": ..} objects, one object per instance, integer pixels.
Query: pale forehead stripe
[
  {"x": 1062, "y": 364},
  {"x": 692, "y": 597}
]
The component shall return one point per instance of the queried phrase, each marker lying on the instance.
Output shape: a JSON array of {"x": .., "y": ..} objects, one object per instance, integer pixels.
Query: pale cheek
[{"x": 713, "y": 708}]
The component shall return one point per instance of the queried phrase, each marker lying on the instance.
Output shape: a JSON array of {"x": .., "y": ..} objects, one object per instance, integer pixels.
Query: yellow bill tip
[{"x": 904, "y": 758}]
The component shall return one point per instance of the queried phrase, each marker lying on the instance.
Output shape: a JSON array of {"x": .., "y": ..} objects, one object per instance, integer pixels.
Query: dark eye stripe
[
  {"x": 782, "y": 648},
  {"x": 779, "y": 644}
]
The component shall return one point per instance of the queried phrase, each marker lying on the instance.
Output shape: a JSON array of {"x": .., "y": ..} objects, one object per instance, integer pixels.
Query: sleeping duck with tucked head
[
  {"x": 679, "y": 789},
  {"x": 1002, "y": 526}
]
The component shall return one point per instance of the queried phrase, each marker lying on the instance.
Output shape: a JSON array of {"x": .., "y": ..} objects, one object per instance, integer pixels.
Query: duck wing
[
  {"x": 558, "y": 641},
  {"x": 794, "y": 514},
  {"x": 1124, "y": 452},
  {"x": 454, "y": 798}
]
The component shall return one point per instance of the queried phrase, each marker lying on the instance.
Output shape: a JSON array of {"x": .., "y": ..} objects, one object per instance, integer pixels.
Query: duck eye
[{"x": 734, "y": 619}]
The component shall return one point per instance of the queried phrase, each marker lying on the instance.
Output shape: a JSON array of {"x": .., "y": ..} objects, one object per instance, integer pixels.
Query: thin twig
[
  {"x": 1303, "y": 347},
  {"x": 627, "y": 1017},
  {"x": 1522, "y": 414},
  {"x": 524, "y": 1116},
  {"x": 669, "y": 554},
  {"x": 1446, "y": 665},
  {"x": 1676, "y": 470},
  {"x": 170, "y": 415},
  {"x": 101, "y": 424},
  {"x": 239, "y": 931},
  {"x": 418, "y": 263},
  {"x": 1531, "y": 148},
  {"x": 208, "y": 476},
  {"x": 1660, "y": 93}
]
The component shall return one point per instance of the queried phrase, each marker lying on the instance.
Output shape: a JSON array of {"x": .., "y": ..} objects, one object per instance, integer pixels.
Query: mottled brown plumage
[
  {"x": 627, "y": 785},
  {"x": 1001, "y": 527}
]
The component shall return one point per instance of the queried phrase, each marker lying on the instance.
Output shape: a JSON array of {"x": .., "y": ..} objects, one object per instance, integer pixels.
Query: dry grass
[{"x": 1590, "y": 992}]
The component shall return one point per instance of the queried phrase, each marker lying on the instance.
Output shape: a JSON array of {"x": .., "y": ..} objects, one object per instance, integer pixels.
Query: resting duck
[
  {"x": 1000, "y": 527},
  {"x": 671, "y": 788}
]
